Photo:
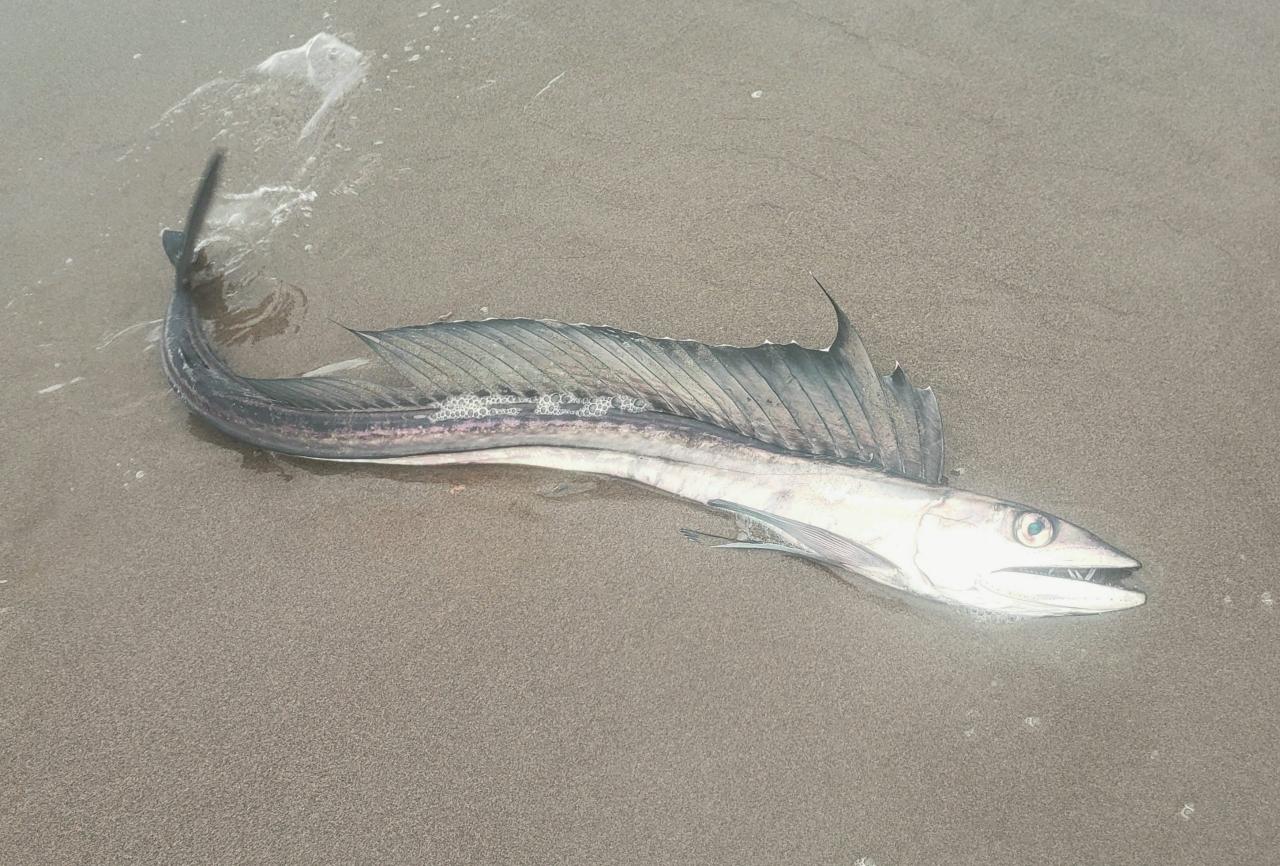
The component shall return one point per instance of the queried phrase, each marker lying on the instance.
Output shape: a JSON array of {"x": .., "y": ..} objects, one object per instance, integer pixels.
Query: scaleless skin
[{"x": 811, "y": 449}]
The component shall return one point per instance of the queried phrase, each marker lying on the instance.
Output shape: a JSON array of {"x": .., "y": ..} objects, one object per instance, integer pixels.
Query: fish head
[{"x": 1007, "y": 558}]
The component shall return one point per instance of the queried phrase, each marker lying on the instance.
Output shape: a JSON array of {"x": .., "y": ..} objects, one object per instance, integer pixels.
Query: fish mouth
[
  {"x": 1065, "y": 591},
  {"x": 1104, "y": 576}
]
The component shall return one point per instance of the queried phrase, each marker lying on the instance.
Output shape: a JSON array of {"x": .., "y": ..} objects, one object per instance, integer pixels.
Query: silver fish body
[{"x": 812, "y": 452}]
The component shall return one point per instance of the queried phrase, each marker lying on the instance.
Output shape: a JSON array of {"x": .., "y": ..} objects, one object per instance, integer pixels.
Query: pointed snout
[
  {"x": 1077, "y": 548},
  {"x": 1112, "y": 558}
]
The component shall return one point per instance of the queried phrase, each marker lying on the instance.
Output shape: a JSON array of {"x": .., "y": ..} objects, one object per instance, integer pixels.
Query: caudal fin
[{"x": 180, "y": 246}]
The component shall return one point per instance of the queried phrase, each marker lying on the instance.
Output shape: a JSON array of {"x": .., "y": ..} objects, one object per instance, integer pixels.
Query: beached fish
[{"x": 813, "y": 452}]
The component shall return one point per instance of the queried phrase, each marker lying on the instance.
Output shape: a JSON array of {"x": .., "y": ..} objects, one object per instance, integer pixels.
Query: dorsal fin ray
[{"x": 865, "y": 384}]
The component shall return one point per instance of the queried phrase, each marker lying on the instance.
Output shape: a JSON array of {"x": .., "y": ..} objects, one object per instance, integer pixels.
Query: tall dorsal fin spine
[{"x": 866, "y": 385}]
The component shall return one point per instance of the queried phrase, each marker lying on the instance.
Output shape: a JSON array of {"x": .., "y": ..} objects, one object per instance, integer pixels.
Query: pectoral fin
[
  {"x": 813, "y": 542},
  {"x": 707, "y": 539},
  {"x": 720, "y": 541}
]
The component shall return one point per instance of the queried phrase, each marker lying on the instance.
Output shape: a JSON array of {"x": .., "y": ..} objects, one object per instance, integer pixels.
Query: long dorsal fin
[{"x": 829, "y": 403}]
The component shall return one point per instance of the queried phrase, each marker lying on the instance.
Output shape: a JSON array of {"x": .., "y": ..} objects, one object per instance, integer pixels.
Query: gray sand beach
[{"x": 1062, "y": 216}]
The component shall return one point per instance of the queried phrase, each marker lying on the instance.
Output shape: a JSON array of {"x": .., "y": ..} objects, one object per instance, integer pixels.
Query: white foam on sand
[
  {"x": 327, "y": 64},
  {"x": 276, "y": 113},
  {"x": 283, "y": 122},
  {"x": 326, "y": 68},
  {"x": 240, "y": 222},
  {"x": 265, "y": 207}
]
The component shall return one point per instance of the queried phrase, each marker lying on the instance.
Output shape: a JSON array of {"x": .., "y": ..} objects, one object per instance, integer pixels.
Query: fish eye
[{"x": 1032, "y": 529}]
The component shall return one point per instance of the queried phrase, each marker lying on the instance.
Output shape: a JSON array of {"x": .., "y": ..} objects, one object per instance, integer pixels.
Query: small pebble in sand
[
  {"x": 1187, "y": 810},
  {"x": 1267, "y": 600},
  {"x": 1032, "y": 721},
  {"x": 756, "y": 94}
]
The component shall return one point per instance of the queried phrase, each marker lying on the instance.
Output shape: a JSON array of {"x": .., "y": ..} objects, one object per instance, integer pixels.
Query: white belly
[{"x": 874, "y": 510}]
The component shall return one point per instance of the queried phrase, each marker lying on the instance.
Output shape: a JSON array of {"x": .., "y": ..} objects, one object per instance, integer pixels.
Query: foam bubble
[{"x": 326, "y": 63}]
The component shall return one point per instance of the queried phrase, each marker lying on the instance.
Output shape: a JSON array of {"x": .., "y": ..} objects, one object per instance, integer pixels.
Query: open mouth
[
  {"x": 1060, "y": 591},
  {"x": 1103, "y": 576}
]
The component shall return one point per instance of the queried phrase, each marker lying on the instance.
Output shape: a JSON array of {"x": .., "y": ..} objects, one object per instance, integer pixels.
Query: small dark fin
[
  {"x": 173, "y": 241},
  {"x": 186, "y": 250}
]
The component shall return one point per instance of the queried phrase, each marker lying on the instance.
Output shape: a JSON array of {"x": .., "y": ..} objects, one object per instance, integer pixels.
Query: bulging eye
[{"x": 1032, "y": 529}]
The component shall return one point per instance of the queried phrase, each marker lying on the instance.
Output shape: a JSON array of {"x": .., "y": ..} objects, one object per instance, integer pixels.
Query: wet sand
[{"x": 1063, "y": 219}]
